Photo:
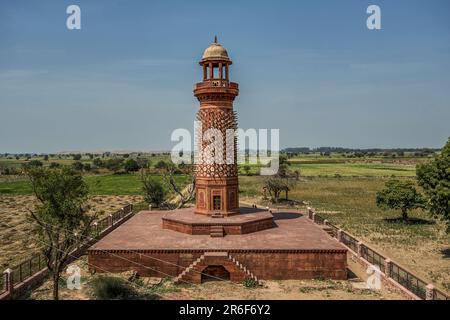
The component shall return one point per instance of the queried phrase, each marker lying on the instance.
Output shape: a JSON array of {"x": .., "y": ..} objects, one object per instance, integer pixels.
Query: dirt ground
[
  {"x": 18, "y": 243},
  {"x": 164, "y": 289}
]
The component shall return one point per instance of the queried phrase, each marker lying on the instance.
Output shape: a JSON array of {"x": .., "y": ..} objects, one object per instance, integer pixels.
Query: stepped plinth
[{"x": 187, "y": 221}]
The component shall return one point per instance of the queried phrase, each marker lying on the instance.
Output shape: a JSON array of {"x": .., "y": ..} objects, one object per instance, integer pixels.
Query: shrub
[
  {"x": 111, "y": 288},
  {"x": 54, "y": 165},
  {"x": 78, "y": 166},
  {"x": 131, "y": 165},
  {"x": 154, "y": 192},
  {"x": 250, "y": 283}
]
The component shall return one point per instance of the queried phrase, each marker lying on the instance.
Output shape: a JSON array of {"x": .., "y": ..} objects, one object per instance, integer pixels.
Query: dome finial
[{"x": 215, "y": 39}]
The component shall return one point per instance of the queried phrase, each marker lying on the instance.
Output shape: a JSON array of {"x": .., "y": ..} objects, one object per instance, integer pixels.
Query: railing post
[
  {"x": 339, "y": 235},
  {"x": 359, "y": 249},
  {"x": 429, "y": 292},
  {"x": 325, "y": 222},
  {"x": 314, "y": 217},
  {"x": 110, "y": 220},
  {"x": 8, "y": 277},
  {"x": 387, "y": 267},
  {"x": 310, "y": 213}
]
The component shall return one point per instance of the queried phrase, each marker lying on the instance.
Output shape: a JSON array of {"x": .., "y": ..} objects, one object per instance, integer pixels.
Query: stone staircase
[
  {"x": 217, "y": 232},
  {"x": 217, "y": 215},
  {"x": 328, "y": 230},
  {"x": 248, "y": 273},
  {"x": 189, "y": 269},
  {"x": 238, "y": 272}
]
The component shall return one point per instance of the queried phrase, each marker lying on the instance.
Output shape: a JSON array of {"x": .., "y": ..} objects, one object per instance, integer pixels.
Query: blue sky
[{"x": 310, "y": 68}]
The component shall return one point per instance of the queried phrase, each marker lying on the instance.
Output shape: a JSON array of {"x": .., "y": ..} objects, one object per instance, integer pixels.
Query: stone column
[
  {"x": 205, "y": 74},
  {"x": 310, "y": 213},
  {"x": 387, "y": 267},
  {"x": 339, "y": 235},
  {"x": 359, "y": 249},
  {"x": 8, "y": 279},
  {"x": 211, "y": 71},
  {"x": 220, "y": 70},
  {"x": 430, "y": 292},
  {"x": 226, "y": 72}
]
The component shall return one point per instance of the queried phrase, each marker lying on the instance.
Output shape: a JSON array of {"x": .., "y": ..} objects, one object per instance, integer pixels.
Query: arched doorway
[{"x": 215, "y": 273}]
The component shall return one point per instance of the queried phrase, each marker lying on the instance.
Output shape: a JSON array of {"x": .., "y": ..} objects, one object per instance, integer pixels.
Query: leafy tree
[
  {"x": 46, "y": 157},
  {"x": 87, "y": 167},
  {"x": 33, "y": 163},
  {"x": 78, "y": 166},
  {"x": 143, "y": 163},
  {"x": 161, "y": 164},
  {"x": 114, "y": 164},
  {"x": 247, "y": 170},
  {"x": 76, "y": 157},
  {"x": 434, "y": 178},
  {"x": 275, "y": 185},
  {"x": 131, "y": 165},
  {"x": 154, "y": 192},
  {"x": 54, "y": 165},
  {"x": 399, "y": 195},
  {"x": 283, "y": 167},
  {"x": 60, "y": 217},
  {"x": 279, "y": 182},
  {"x": 98, "y": 162}
]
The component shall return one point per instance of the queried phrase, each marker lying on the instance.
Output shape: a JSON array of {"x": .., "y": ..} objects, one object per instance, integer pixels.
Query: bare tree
[{"x": 184, "y": 195}]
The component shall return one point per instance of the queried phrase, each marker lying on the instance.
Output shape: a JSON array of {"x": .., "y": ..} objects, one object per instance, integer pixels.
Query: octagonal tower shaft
[{"x": 216, "y": 164}]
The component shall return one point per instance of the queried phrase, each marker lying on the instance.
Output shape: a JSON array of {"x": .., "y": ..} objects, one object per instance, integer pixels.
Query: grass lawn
[
  {"x": 123, "y": 184},
  {"x": 354, "y": 169}
]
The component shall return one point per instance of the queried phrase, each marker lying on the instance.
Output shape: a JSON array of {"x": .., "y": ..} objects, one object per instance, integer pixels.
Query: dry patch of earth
[
  {"x": 17, "y": 241},
  {"x": 157, "y": 288}
]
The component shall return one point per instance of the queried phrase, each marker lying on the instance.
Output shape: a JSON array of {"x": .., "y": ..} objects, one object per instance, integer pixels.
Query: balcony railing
[{"x": 216, "y": 83}]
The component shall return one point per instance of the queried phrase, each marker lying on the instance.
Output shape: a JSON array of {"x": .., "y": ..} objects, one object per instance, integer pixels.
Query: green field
[
  {"x": 121, "y": 184},
  {"x": 421, "y": 245},
  {"x": 342, "y": 189}
]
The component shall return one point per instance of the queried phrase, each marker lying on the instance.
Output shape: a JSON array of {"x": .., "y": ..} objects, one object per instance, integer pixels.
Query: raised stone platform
[
  {"x": 187, "y": 221},
  {"x": 295, "y": 248}
]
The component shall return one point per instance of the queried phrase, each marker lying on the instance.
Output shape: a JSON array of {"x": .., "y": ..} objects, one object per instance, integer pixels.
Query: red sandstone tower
[
  {"x": 216, "y": 168},
  {"x": 255, "y": 244}
]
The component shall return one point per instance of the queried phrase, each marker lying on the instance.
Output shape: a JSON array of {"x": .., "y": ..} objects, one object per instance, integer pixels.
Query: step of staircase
[
  {"x": 191, "y": 267},
  {"x": 217, "y": 215},
  {"x": 328, "y": 230},
  {"x": 244, "y": 269},
  {"x": 217, "y": 232}
]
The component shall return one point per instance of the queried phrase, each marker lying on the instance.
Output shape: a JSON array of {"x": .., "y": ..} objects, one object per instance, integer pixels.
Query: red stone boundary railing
[
  {"x": 30, "y": 273},
  {"x": 392, "y": 273}
]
